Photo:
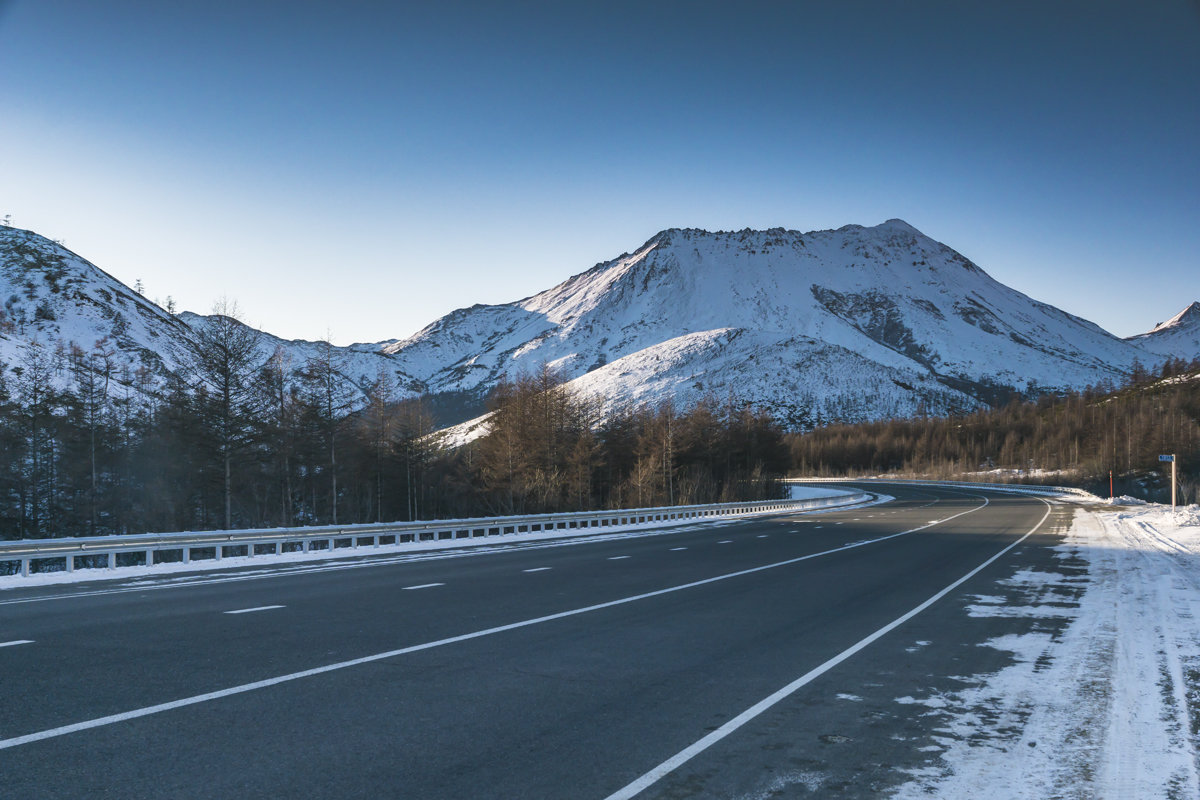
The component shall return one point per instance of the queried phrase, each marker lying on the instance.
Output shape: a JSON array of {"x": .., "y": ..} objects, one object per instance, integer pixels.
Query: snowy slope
[
  {"x": 360, "y": 366},
  {"x": 1178, "y": 337},
  {"x": 848, "y": 324},
  {"x": 852, "y": 323},
  {"x": 50, "y": 295}
]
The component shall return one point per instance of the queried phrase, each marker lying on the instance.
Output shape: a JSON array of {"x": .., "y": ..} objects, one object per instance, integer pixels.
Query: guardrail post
[
  {"x": 187, "y": 555},
  {"x": 149, "y": 558},
  {"x": 217, "y": 552},
  {"x": 70, "y": 562},
  {"x": 24, "y": 567},
  {"x": 112, "y": 560}
]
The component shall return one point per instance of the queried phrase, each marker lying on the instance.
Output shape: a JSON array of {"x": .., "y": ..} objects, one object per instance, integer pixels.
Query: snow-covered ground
[
  {"x": 1107, "y": 707},
  {"x": 450, "y": 548},
  {"x": 800, "y": 492}
]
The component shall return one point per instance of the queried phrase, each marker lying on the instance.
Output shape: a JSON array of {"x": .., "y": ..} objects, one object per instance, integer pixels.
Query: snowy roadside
[
  {"x": 1107, "y": 706},
  {"x": 417, "y": 550}
]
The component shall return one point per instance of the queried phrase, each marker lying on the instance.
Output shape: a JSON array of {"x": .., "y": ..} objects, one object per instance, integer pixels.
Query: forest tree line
[
  {"x": 1070, "y": 439},
  {"x": 91, "y": 446}
]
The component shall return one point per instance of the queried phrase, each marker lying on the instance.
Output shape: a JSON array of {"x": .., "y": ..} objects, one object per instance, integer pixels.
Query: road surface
[{"x": 756, "y": 658}]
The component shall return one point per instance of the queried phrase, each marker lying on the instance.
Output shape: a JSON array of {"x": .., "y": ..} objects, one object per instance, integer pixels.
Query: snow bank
[
  {"x": 417, "y": 550},
  {"x": 1109, "y": 708},
  {"x": 811, "y": 492}
]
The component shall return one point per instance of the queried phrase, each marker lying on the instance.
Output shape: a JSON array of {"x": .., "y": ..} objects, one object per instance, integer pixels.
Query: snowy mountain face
[
  {"x": 1178, "y": 337},
  {"x": 855, "y": 323},
  {"x": 357, "y": 365},
  {"x": 851, "y": 324},
  {"x": 56, "y": 299},
  {"x": 51, "y": 296}
]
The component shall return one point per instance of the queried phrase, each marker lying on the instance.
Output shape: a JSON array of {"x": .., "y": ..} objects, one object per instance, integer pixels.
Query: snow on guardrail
[
  {"x": 108, "y": 552},
  {"x": 1016, "y": 488}
]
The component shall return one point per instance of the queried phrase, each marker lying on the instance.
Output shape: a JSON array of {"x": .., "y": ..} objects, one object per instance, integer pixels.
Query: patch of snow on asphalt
[
  {"x": 1109, "y": 707},
  {"x": 811, "y": 781},
  {"x": 800, "y": 492}
]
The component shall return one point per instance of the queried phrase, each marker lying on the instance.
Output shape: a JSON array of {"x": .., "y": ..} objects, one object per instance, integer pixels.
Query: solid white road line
[
  {"x": 536, "y": 569},
  {"x": 286, "y": 569},
  {"x": 16, "y": 642},
  {"x": 250, "y": 610},
  {"x": 112, "y": 719},
  {"x": 688, "y": 753},
  {"x": 421, "y": 586}
]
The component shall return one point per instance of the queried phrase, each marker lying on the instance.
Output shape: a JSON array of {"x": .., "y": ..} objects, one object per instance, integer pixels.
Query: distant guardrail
[
  {"x": 100, "y": 552},
  {"x": 1015, "y": 488}
]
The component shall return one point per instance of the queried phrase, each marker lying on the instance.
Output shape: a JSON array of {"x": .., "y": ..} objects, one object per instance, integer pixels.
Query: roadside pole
[{"x": 1171, "y": 458}]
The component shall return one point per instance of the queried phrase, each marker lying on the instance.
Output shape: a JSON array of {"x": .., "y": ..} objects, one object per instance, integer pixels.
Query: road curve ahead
[{"x": 722, "y": 659}]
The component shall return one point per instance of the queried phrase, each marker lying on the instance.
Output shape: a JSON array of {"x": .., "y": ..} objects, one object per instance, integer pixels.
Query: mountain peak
[
  {"x": 1178, "y": 337},
  {"x": 667, "y": 236},
  {"x": 899, "y": 225},
  {"x": 1188, "y": 317}
]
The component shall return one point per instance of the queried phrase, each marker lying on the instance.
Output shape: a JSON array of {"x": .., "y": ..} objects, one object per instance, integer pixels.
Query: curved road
[{"x": 751, "y": 659}]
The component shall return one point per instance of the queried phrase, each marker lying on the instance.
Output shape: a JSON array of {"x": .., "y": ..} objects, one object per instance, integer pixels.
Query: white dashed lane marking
[
  {"x": 423, "y": 586},
  {"x": 673, "y": 549},
  {"x": 249, "y": 610},
  {"x": 137, "y": 713},
  {"x": 725, "y": 541},
  {"x": 536, "y": 569},
  {"x": 617, "y": 558},
  {"x": 16, "y": 642}
]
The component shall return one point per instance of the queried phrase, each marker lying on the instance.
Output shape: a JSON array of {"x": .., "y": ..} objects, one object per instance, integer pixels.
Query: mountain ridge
[
  {"x": 858, "y": 322},
  {"x": 1175, "y": 337}
]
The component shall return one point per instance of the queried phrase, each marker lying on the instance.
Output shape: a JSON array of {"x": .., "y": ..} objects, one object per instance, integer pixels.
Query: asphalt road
[{"x": 566, "y": 670}]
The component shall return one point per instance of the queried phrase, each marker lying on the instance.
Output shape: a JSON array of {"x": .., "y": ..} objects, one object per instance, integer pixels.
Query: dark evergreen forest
[
  {"x": 90, "y": 447},
  {"x": 1073, "y": 439}
]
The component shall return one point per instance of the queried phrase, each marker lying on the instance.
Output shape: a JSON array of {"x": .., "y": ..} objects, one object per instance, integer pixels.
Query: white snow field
[{"x": 1107, "y": 708}]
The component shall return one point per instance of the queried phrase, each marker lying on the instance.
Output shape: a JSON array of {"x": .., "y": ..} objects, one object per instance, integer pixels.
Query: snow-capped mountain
[
  {"x": 360, "y": 366},
  {"x": 853, "y": 323},
  {"x": 848, "y": 324},
  {"x": 54, "y": 297},
  {"x": 1178, "y": 337}
]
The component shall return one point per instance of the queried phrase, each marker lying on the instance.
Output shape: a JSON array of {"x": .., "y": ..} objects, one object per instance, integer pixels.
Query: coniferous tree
[
  {"x": 223, "y": 358},
  {"x": 329, "y": 398}
]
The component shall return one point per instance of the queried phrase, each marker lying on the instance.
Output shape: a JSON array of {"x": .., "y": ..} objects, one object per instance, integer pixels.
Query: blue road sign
[{"x": 1166, "y": 458}]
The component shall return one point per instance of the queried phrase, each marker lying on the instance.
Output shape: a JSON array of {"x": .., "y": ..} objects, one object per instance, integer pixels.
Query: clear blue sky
[{"x": 363, "y": 168}]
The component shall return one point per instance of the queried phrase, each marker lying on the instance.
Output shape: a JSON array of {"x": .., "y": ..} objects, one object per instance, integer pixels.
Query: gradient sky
[{"x": 360, "y": 169}]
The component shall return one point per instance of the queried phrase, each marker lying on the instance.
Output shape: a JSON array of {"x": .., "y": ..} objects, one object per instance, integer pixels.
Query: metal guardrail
[
  {"x": 141, "y": 549},
  {"x": 1016, "y": 488}
]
